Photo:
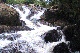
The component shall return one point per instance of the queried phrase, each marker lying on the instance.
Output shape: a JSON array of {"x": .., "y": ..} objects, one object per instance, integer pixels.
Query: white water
[{"x": 33, "y": 37}]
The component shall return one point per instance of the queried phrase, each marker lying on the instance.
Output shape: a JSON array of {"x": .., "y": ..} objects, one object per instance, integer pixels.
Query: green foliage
[
  {"x": 15, "y": 1},
  {"x": 30, "y": 1},
  {"x": 42, "y": 3},
  {"x": 36, "y": 2}
]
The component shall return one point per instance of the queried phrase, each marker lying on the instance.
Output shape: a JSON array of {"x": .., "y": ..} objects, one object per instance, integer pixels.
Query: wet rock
[
  {"x": 10, "y": 38},
  {"x": 19, "y": 52},
  {"x": 54, "y": 17},
  {"x": 8, "y": 16},
  {"x": 72, "y": 34},
  {"x": 61, "y": 48},
  {"x": 62, "y": 16},
  {"x": 4, "y": 28},
  {"x": 52, "y": 36}
]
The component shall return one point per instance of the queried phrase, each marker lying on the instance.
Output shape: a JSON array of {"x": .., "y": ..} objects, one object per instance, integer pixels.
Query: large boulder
[
  {"x": 54, "y": 17},
  {"x": 52, "y": 36},
  {"x": 63, "y": 15},
  {"x": 72, "y": 34},
  {"x": 61, "y": 48},
  {"x": 8, "y": 16}
]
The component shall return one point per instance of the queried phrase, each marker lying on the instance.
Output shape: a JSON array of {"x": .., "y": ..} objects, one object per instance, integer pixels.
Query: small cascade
[
  {"x": 33, "y": 41},
  {"x": 7, "y": 38}
]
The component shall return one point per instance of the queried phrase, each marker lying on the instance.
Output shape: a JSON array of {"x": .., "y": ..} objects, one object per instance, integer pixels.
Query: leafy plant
[{"x": 15, "y": 1}]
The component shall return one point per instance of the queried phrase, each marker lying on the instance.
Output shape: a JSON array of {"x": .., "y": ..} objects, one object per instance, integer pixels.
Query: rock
[
  {"x": 19, "y": 52},
  {"x": 72, "y": 34},
  {"x": 54, "y": 17},
  {"x": 52, "y": 36},
  {"x": 61, "y": 48},
  {"x": 61, "y": 16},
  {"x": 8, "y": 16},
  {"x": 4, "y": 28}
]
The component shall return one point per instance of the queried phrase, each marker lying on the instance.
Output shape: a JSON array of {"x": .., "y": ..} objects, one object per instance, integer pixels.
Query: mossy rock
[{"x": 8, "y": 16}]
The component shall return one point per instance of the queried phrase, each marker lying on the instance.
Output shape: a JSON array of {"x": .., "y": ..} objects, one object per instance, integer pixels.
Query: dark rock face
[
  {"x": 72, "y": 34},
  {"x": 63, "y": 16},
  {"x": 19, "y": 52},
  {"x": 61, "y": 48},
  {"x": 52, "y": 36},
  {"x": 4, "y": 28},
  {"x": 8, "y": 16},
  {"x": 55, "y": 18}
]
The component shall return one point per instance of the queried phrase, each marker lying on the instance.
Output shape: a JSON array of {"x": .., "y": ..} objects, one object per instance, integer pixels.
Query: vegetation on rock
[
  {"x": 62, "y": 12},
  {"x": 68, "y": 17},
  {"x": 68, "y": 12}
]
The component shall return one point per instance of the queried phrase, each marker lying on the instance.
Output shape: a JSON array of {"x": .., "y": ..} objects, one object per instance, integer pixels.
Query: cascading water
[{"x": 32, "y": 41}]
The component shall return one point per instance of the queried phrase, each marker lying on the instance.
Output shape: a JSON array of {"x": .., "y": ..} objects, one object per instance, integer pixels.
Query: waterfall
[{"x": 33, "y": 40}]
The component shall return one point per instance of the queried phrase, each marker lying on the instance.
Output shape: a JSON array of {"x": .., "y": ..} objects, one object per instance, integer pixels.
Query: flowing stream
[{"x": 31, "y": 41}]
